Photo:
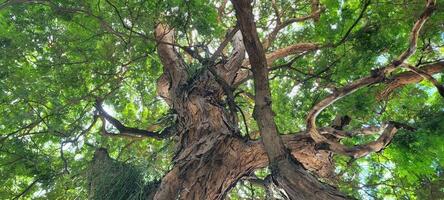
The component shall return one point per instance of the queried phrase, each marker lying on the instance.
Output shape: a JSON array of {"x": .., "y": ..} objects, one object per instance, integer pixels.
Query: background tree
[{"x": 216, "y": 99}]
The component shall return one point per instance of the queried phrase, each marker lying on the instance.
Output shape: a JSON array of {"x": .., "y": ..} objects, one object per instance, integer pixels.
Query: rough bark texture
[{"x": 211, "y": 155}]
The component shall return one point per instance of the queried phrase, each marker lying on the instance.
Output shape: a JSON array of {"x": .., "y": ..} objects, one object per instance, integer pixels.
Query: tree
[{"x": 195, "y": 99}]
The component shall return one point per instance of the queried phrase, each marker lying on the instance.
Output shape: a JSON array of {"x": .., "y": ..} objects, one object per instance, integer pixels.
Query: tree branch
[
  {"x": 299, "y": 48},
  {"x": 282, "y": 166},
  {"x": 375, "y": 146},
  {"x": 409, "y": 77},
  {"x": 263, "y": 113},
  {"x": 129, "y": 131},
  {"x": 426, "y": 76},
  {"x": 361, "y": 14},
  {"x": 29, "y": 187},
  {"x": 234, "y": 63},
  {"x": 281, "y": 25},
  {"x": 174, "y": 67},
  {"x": 428, "y": 11},
  {"x": 352, "y": 87}
]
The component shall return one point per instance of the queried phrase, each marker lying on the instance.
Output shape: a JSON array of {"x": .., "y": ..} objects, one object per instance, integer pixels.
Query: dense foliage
[{"x": 58, "y": 57}]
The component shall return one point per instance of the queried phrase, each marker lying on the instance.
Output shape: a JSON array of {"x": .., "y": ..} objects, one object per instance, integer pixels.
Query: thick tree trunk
[
  {"x": 211, "y": 154},
  {"x": 207, "y": 163}
]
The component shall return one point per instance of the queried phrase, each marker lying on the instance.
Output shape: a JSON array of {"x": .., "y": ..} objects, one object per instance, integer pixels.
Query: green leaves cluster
[{"x": 57, "y": 57}]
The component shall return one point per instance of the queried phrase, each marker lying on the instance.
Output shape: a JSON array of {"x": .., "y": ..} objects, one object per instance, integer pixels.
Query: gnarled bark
[{"x": 211, "y": 156}]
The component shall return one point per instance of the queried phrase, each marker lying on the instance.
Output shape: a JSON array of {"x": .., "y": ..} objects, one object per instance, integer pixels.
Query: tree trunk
[
  {"x": 211, "y": 155},
  {"x": 207, "y": 163}
]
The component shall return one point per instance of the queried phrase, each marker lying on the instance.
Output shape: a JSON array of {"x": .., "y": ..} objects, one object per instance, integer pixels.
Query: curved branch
[
  {"x": 311, "y": 117},
  {"x": 426, "y": 76},
  {"x": 409, "y": 77},
  {"x": 430, "y": 7},
  {"x": 129, "y": 131},
  {"x": 281, "y": 25},
  {"x": 362, "y": 150},
  {"x": 352, "y": 87},
  {"x": 333, "y": 145}
]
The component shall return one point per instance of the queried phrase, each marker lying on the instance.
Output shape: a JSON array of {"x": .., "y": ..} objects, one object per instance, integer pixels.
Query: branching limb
[
  {"x": 368, "y": 130},
  {"x": 223, "y": 73},
  {"x": 384, "y": 139},
  {"x": 426, "y": 76},
  {"x": 352, "y": 87},
  {"x": 282, "y": 24},
  {"x": 375, "y": 146},
  {"x": 263, "y": 113},
  {"x": 405, "y": 78},
  {"x": 430, "y": 7},
  {"x": 129, "y": 131},
  {"x": 224, "y": 43}
]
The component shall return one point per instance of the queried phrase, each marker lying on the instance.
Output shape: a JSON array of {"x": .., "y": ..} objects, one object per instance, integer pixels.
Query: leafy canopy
[{"x": 57, "y": 57}]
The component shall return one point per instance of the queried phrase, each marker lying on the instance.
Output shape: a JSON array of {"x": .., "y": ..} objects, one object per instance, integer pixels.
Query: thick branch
[
  {"x": 129, "y": 131},
  {"x": 288, "y": 173},
  {"x": 410, "y": 77},
  {"x": 224, "y": 43},
  {"x": 234, "y": 63},
  {"x": 430, "y": 7},
  {"x": 318, "y": 161},
  {"x": 397, "y": 81},
  {"x": 428, "y": 77},
  {"x": 263, "y": 113},
  {"x": 368, "y": 130},
  {"x": 174, "y": 68},
  {"x": 375, "y": 146}
]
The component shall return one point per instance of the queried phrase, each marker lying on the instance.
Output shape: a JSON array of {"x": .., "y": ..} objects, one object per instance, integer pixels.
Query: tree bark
[{"x": 211, "y": 156}]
